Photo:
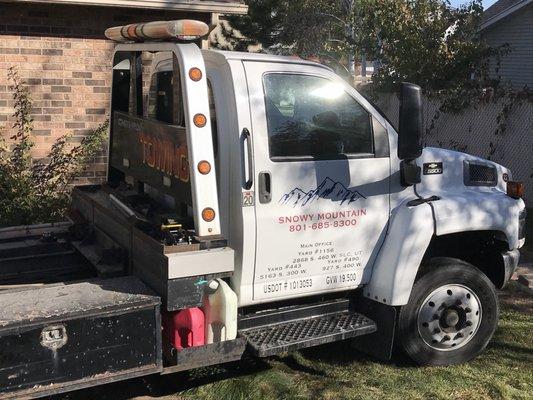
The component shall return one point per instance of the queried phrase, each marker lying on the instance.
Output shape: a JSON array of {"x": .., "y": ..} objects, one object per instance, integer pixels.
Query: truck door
[{"x": 321, "y": 179}]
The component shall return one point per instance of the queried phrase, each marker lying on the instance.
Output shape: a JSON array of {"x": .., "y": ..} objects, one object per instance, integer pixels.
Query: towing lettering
[{"x": 165, "y": 156}]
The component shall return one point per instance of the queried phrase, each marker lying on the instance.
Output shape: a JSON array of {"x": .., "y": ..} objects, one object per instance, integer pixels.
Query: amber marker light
[
  {"x": 204, "y": 167},
  {"x": 200, "y": 120},
  {"x": 195, "y": 74},
  {"x": 208, "y": 214},
  {"x": 515, "y": 189},
  {"x": 189, "y": 28}
]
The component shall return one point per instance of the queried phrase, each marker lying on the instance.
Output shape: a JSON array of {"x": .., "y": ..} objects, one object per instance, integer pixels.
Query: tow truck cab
[
  {"x": 269, "y": 206},
  {"x": 307, "y": 172}
]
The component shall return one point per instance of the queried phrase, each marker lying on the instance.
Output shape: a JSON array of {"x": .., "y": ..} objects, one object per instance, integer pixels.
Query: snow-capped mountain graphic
[{"x": 328, "y": 189}]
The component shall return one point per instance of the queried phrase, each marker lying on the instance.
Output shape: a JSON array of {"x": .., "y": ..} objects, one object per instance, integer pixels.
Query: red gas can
[{"x": 184, "y": 328}]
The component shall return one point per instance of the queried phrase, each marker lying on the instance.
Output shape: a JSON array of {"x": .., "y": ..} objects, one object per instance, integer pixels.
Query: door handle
[
  {"x": 249, "y": 164},
  {"x": 265, "y": 187}
]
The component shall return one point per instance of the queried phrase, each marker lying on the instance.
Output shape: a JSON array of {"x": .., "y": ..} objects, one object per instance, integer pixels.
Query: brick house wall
[{"x": 61, "y": 53}]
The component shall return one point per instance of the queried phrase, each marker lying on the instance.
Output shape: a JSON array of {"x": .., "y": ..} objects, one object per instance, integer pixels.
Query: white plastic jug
[{"x": 220, "y": 308}]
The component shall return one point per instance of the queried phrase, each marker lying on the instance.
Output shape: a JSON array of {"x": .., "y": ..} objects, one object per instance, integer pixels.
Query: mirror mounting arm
[{"x": 410, "y": 173}]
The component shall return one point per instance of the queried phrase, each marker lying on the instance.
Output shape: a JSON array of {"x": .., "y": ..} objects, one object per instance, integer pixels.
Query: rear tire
[{"x": 451, "y": 315}]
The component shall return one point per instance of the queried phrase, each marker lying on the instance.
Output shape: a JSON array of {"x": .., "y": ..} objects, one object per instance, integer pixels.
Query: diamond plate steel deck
[{"x": 268, "y": 340}]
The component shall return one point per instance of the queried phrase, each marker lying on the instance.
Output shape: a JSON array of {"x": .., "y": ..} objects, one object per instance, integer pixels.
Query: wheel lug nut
[
  {"x": 468, "y": 309},
  {"x": 458, "y": 336},
  {"x": 458, "y": 302},
  {"x": 445, "y": 339},
  {"x": 468, "y": 323},
  {"x": 436, "y": 330}
]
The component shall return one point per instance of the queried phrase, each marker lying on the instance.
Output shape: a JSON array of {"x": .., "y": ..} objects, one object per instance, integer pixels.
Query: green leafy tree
[
  {"x": 31, "y": 191},
  {"x": 302, "y": 27},
  {"x": 427, "y": 42}
]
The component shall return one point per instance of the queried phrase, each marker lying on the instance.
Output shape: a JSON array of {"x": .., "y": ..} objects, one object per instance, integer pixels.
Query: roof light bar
[{"x": 183, "y": 29}]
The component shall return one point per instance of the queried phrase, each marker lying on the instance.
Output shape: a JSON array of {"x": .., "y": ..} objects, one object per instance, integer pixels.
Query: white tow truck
[{"x": 260, "y": 203}]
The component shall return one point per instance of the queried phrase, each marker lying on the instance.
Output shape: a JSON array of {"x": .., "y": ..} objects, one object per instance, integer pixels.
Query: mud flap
[{"x": 380, "y": 343}]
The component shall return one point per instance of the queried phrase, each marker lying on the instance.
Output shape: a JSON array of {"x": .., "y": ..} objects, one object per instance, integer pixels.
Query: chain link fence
[{"x": 475, "y": 131}]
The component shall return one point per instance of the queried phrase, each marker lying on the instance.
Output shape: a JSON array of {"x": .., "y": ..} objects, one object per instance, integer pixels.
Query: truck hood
[
  {"x": 464, "y": 205},
  {"x": 447, "y": 170}
]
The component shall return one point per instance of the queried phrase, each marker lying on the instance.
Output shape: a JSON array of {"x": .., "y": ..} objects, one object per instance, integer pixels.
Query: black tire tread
[{"x": 440, "y": 271}]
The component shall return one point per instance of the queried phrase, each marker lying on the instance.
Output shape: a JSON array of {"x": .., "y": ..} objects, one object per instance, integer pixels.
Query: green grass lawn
[
  {"x": 504, "y": 371},
  {"x": 336, "y": 371}
]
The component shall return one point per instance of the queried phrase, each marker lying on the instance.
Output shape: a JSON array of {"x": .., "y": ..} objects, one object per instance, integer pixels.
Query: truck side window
[{"x": 309, "y": 117}]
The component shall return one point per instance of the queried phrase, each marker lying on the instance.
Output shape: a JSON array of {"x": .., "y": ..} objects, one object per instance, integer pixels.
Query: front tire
[{"x": 451, "y": 315}]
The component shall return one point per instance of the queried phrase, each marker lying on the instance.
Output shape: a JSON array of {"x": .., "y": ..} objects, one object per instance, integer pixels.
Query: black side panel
[
  {"x": 150, "y": 151},
  {"x": 202, "y": 356},
  {"x": 63, "y": 337},
  {"x": 187, "y": 292},
  {"x": 93, "y": 346}
]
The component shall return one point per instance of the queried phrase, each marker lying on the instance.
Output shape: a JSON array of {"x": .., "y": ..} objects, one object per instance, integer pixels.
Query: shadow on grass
[
  {"x": 523, "y": 350},
  {"x": 343, "y": 354},
  {"x": 166, "y": 385},
  {"x": 337, "y": 354},
  {"x": 295, "y": 365},
  {"x": 317, "y": 363},
  {"x": 314, "y": 362},
  {"x": 512, "y": 353}
]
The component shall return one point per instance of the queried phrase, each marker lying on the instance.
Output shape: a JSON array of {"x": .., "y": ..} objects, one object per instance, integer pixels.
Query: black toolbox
[{"x": 64, "y": 337}]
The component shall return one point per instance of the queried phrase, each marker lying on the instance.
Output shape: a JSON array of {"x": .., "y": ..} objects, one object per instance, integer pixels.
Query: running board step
[{"x": 270, "y": 339}]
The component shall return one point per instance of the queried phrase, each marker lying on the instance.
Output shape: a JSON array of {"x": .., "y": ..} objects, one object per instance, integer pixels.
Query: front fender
[
  {"x": 410, "y": 231},
  {"x": 478, "y": 211}
]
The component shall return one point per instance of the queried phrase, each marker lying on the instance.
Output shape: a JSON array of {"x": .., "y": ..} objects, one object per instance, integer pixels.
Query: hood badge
[{"x": 433, "y": 168}]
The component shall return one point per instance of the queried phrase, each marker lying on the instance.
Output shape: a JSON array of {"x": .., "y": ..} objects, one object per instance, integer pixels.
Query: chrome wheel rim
[{"x": 449, "y": 317}]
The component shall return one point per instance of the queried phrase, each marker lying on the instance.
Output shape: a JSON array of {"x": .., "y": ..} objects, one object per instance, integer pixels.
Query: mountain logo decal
[{"x": 328, "y": 189}]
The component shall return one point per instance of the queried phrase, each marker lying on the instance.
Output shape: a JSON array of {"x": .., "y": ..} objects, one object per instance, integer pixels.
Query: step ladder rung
[{"x": 267, "y": 340}]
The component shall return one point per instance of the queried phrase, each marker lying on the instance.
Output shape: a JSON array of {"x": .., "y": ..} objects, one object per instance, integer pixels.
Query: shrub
[{"x": 32, "y": 191}]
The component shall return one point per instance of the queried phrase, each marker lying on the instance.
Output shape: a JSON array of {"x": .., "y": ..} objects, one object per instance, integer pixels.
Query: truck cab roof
[
  {"x": 219, "y": 57},
  {"x": 261, "y": 57}
]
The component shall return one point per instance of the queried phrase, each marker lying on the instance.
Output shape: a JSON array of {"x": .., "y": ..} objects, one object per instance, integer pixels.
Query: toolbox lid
[{"x": 55, "y": 302}]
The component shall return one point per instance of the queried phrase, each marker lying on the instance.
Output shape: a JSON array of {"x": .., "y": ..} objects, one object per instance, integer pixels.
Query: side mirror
[
  {"x": 411, "y": 125},
  {"x": 410, "y": 132}
]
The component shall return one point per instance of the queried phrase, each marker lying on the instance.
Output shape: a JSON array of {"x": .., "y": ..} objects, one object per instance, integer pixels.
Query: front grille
[{"x": 480, "y": 174}]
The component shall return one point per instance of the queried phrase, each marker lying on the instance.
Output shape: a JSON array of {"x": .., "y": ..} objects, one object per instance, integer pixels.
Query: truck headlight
[{"x": 515, "y": 189}]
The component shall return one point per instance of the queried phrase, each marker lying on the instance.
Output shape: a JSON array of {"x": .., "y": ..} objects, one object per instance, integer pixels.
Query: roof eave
[
  {"x": 204, "y": 6},
  {"x": 505, "y": 13}
]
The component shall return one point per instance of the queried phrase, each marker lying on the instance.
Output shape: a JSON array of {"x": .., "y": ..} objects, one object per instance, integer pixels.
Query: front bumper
[{"x": 510, "y": 262}]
